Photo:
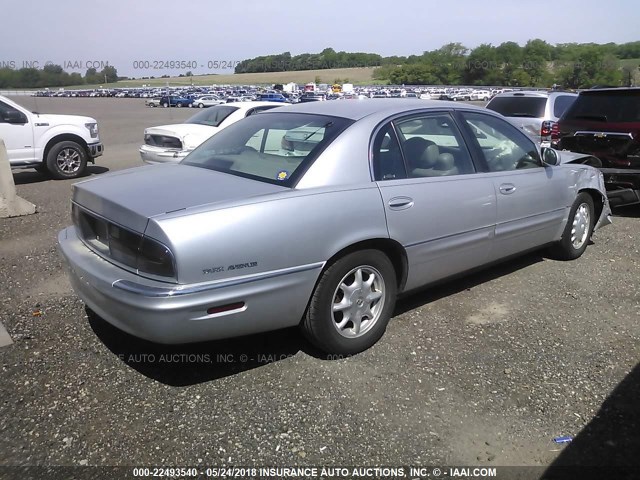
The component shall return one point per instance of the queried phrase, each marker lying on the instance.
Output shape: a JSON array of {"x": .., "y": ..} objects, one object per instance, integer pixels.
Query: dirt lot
[{"x": 481, "y": 371}]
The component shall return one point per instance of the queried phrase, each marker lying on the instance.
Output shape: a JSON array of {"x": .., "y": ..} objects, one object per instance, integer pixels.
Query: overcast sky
[{"x": 123, "y": 32}]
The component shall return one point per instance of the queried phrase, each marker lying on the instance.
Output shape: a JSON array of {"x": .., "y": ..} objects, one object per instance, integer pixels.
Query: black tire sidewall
[
  {"x": 52, "y": 165},
  {"x": 318, "y": 323},
  {"x": 567, "y": 250}
]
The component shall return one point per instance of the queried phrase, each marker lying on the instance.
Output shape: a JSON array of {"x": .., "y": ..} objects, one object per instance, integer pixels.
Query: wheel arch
[
  {"x": 64, "y": 137},
  {"x": 392, "y": 249},
  {"x": 598, "y": 201}
]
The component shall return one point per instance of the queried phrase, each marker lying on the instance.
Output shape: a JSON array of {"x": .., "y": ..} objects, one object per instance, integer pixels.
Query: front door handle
[
  {"x": 400, "y": 203},
  {"x": 507, "y": 188}
]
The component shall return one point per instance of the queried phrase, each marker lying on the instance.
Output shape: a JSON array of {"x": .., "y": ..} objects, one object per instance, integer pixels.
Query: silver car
[
  {"x": 319, "y": 215},
  {"x": 535, "y": 112}
]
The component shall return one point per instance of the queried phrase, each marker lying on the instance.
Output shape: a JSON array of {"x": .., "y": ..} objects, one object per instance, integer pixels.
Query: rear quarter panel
[{"x": 283, "y": 230}]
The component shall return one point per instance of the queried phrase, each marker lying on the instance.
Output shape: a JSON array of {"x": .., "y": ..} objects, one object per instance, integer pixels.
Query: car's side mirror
[
  {"x": 550, "y": 156},
  {"x": 13, "y": 116}
]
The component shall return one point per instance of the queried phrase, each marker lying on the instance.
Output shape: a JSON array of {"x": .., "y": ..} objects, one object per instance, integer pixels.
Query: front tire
[
  {"x": 200, "y": 105},
  {"x": 352, "y": 303},
  {"x": 66, "y": 160},
  {"x": 578, "y": 230}
]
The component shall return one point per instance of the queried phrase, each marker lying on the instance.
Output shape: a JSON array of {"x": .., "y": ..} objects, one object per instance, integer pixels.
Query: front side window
[
  {"x": 5, "y": 110},
  {"x": 503, "y": 146},
  {"x": 433, "y": 146},
  {"x": 273, "y": 147}
]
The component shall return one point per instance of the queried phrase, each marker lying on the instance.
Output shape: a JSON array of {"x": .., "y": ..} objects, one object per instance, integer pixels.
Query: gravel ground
[{"x": 485, "y": 370}]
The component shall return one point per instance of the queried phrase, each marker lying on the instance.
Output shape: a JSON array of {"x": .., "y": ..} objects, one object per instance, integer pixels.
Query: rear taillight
[
  {"x": 555, "y": 132},
  {"x": 134, "y": 250},
  {"x": 546, "y": 128}
]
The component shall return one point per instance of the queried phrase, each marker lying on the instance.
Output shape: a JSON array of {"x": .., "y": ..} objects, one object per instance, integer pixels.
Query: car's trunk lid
[{"x": 130, "y": 197}]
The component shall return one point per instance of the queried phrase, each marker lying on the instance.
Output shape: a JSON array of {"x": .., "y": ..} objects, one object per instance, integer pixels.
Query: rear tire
[
  {"x": 577, "y": 231},
  {"x": 352, "y": 303}
]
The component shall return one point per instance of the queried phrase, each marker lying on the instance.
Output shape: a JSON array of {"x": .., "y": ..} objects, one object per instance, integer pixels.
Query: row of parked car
[{"x": 604, "y": 123}]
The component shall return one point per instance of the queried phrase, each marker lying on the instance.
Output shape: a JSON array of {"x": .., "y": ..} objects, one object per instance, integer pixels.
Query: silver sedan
[{"x": 319, "y": 215}]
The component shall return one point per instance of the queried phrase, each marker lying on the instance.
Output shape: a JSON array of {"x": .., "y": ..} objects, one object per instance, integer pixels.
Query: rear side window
[
  {"x": 562, "y": 103},
  {"x": 606, "y": 106},
  {"x": 213, "y": 116},
  {"x": 433, "y": 147},
  {"x": 388, "y": 163},
  {"x": 526, "y": 107}
]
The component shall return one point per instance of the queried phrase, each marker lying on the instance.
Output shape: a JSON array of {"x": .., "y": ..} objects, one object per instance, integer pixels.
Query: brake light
[
  {"x": 546, "y": 128},
  {"x": 555, "y": 132}
]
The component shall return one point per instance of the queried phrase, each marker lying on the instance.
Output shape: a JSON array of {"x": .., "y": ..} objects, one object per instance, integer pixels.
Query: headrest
[
  {"x": 445, "y": 161},
  {"x": 430, "y": 157},
  {"x": 414, "y": 148}
]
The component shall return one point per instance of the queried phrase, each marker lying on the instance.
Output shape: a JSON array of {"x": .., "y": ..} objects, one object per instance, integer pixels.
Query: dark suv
[{"x": 605, "y": 123}]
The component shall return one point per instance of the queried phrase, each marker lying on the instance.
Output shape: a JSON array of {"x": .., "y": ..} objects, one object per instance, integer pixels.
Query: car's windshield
[
  {"x": 270, "y": 147},
  {"x": 213, "y": 116}
]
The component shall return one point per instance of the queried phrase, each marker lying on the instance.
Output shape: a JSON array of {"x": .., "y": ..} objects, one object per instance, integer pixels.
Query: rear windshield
[
  {"x": 272, "y": 147},
  {"x": 213, "y": 116},
  {"x": 526, "y": 107},
  {"x": 606, "y": 106}
]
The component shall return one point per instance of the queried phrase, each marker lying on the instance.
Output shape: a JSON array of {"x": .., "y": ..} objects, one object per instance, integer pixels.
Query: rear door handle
[
  {"x": 507, "y": 188},
  {"x": 400, "y": 203}
]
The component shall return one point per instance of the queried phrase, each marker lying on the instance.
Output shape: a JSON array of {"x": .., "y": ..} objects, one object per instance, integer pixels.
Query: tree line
[
  {"x": 54, "y": 76},
  {"x": 537, "y": 63},
  {"x": 326, "y": 59}
]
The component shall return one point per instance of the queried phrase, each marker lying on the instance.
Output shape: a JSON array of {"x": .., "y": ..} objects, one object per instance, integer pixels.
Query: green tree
[
  {"x": 448, "y": 63},
  {"x": 536, "y": 58},
  {"x": 482, "y": 66},
  {"x": 91, "y": 77},
  {"x": 109, "y": 73},
  {"x": 593, "y": 66}
]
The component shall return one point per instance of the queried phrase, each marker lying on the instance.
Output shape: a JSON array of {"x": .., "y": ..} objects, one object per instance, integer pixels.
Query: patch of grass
[{"x": 358, "y": 76}]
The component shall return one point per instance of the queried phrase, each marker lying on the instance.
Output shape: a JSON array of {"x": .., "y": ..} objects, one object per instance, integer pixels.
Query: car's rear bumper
[
  {"x": 152, "y": 155},
  {"x": 171, "y": 313}
]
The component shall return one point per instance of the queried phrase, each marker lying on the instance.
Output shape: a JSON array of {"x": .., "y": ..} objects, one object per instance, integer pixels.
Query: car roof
[
  {"x": 358, "y": 109},
  {"x": 533, "y": 93},
  {"x": 610, "y": 89}
]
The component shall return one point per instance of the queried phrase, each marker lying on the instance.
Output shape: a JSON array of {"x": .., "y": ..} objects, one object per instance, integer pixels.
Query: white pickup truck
[{"x": 60, "y": 145}]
